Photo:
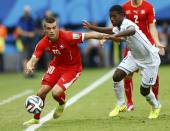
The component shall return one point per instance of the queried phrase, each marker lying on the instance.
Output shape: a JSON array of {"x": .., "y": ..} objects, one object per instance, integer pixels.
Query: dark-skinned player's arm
[
  {"x": 121, "y": 35},
  {"x": 106, "y": 30}
]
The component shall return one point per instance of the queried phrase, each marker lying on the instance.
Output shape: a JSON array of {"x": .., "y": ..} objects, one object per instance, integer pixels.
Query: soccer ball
[{"x": 34, "y": 104}]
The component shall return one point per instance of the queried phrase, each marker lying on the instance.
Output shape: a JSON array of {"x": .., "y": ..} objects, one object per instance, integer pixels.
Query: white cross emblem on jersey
[
  {"x": 142, "y": 11},
  {"x": 61, "y": 46}
]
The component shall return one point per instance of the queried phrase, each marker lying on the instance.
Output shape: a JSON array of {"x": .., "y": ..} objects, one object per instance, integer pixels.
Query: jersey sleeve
[
  {"x": 126, "y": 24},
  {"x": 151, "y": 14},
  {"x": 75, "y": 38},
  {"x": 39, "y": 50},
  {"x": 115, "y": 30}
]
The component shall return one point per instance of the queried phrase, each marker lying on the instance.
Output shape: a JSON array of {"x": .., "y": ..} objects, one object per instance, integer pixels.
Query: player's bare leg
[
  {"x": 151, "y": 99},
  {"x": 43, "y": 91},
  {"x": 128, "y": 85},
  {"x": 59, "y": 96},
  {"x": 119, "y": 92}
]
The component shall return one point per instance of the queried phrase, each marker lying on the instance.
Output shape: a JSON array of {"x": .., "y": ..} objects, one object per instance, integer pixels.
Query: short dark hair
[
  {"x": 50, "y": 19},
  {"x": 118, "y": 9}
]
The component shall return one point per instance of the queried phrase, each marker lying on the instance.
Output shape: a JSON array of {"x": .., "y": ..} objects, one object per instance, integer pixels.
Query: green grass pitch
[{"x": 90, "y": 113}]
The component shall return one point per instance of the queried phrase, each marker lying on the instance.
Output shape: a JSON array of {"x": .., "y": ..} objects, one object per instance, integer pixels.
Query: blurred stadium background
[
  {"x": 89, "y": 113},
  {"x": 70, "y": 14}
]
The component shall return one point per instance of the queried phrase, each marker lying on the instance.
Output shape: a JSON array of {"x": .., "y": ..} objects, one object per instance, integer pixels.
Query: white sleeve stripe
[
  {"x": 154, "y": 20},
  {"x": 34, "y": 56},
  {"x": 83, "y": 36}
]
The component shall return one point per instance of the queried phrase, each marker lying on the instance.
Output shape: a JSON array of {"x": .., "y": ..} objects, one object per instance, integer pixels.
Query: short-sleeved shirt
[
  {"x": 26, "y": 24},
  {"x": 65, "y": 50},
  {"x": 138, "y": 44},
  {"x": 142, "y": 15}
]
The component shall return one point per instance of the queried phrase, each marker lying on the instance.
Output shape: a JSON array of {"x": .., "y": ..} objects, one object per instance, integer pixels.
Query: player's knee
[
  {"x": 116, "y": 78},
  {"x": 57, "y": 91},
  {"x": 118, "y": 75},
  {"x": 55, "y": 94},
  {"x": 144, "y": 91}
]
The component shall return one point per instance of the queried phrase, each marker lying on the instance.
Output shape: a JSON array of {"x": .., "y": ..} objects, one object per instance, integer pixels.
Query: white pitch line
[
  {"x": 3, "y": 102},
  {"x": 71, "y": 101}
]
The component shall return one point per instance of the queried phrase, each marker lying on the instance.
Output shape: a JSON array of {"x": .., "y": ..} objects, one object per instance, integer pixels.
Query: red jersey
[
  {"x": 142, "y": 15},
  {"x": 65, "y": 50}
]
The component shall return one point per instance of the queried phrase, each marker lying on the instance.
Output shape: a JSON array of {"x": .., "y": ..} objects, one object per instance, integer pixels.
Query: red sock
[
  {"x": 37, "y": 116},
  {"x": 155, "y": 88},
  {"x": 128, "y": 84},
  {"x": 61, "y": 99}
]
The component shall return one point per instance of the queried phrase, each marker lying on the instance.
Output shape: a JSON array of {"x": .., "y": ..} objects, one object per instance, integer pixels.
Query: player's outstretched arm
[
  {"x": 93, "y": 35},
  {"x": 89, "y": 26},
  {"x": 30, "y": 66},
  {"x": 128, "y": 32},
  {"x": 114, "y": 38},
  {"x": 121, "y": 35}
]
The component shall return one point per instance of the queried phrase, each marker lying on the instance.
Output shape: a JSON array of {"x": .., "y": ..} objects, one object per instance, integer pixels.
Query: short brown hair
[{"x": 50, "y": 19}]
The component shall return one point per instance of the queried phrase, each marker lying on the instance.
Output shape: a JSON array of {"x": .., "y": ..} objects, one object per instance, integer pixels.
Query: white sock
[
  {"x": 151, "y": 99},
  {"x": 118, "y": 88}
]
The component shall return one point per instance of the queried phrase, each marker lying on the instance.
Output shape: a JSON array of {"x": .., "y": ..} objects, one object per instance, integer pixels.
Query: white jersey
[{"x": 138, "y": 44}]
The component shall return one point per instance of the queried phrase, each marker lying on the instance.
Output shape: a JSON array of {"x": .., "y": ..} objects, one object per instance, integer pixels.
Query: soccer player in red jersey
[
  {"x": 65, "y": 67},
  {"x": 141, "y": 13}
]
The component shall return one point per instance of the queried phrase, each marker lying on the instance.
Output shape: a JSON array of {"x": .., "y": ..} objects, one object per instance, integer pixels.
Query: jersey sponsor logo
[
  {"x": 76, "y": 36},
  {"x": 134, "y": 11}
]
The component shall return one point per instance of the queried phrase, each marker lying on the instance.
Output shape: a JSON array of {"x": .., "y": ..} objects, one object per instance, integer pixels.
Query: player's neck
[
  {"x": 53, "y": 40},
  {"x": 120, "y": 23},
  {"x": 136, "y": 3}
]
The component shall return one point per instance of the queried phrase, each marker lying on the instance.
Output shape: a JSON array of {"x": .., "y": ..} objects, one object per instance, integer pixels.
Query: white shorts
[{"x": 148, "y": 73}]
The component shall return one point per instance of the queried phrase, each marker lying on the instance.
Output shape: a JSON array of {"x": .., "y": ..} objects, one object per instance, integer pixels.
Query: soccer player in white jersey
[{"x": 142, "y": 55}]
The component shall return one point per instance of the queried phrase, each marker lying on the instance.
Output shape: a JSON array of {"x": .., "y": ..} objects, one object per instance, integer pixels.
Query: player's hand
[
  {"x": 161, "y": 49},
  {"x": 87, "y": 25},
  {"x": 101, "y": 42},
  {"x": 114, "y": 38},
  {"x": 29, "y": 68}
]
